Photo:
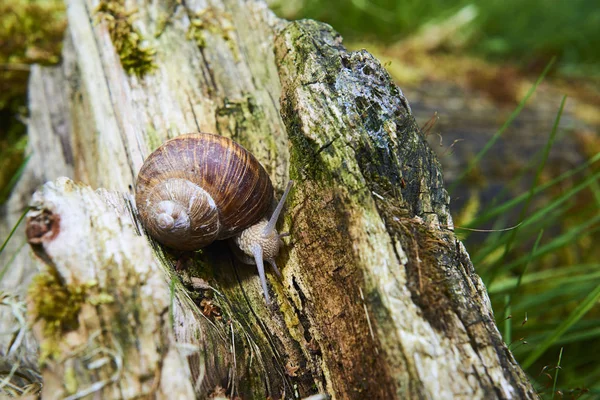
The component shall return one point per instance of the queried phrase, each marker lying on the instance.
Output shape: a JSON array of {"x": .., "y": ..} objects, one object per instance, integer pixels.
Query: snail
[{"x": 198, "y": 188}]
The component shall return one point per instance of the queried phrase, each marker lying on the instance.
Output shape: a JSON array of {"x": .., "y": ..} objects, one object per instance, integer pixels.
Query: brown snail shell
[{"x": 198, "y": 188}]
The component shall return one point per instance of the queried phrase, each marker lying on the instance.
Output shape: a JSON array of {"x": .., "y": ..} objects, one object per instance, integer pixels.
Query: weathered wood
[
  {"x": 402, "y": 295},
  {"x": 100, "y": 308},
  {"x": 378, "y": 297}
]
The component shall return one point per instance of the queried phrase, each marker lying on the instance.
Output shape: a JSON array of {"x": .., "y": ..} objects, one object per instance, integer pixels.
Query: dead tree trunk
[{"x": 378, "y": 300}]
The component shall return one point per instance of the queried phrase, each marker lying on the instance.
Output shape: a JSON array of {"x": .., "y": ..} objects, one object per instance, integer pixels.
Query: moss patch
[
  {"x": 216, "y": 23},
  {"x": 306, "y": 158},
  {"x": 153, "y": 138},
  {"x": 57, "y": 305},
  {"x": 135, "y": 58}
]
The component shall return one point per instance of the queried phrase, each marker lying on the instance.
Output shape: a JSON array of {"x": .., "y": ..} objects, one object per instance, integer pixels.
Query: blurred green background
[
  {"x": 527, "y": 32},
  {"x": 465, "y": 67},
  {"x": 30, "y": 32}
]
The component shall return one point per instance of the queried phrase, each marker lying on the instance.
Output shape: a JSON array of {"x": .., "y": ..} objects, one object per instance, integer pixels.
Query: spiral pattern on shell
[{"x": 197, "y": 188}]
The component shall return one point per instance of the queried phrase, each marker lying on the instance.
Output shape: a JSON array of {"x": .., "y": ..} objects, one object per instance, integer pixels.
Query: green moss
[
  {"x": 57, "y": 305},
  {"x": 198, "y": 266},
  {"x": 135, "y": 58},
  {"x": 153, "y": 138},
  {"x": 101, "y": 298},
  {"x": 305, "y": 161},
  {"x": 207, "y": 20},
  {"x": 196, "y": 34},
  {"x": 242, "y": 119},
  {"x": 292, "y": 321},
  {"x": 70, "y": 380}
]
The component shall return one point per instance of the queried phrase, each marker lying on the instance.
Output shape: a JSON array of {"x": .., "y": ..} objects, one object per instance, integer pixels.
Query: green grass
[
  {"x": 479, "y": 156},
  {"x": 590, "y": 182},
  {"x": 31, "y": 32},
  {"x": 577, "y": 314},
  {"x": 512, "y": 234},
  {"x": 5, "y": 191},
  {"x": 12, "y": 160},
  {"x": 531, "y": 30},
  {"x": 531, "y": 280},
  {"x": 387, "y": 20},
  {"x": 508, "y": 305}
]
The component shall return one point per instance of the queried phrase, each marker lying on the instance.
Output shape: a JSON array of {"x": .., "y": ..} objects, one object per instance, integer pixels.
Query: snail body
[{"x": 198, "y": 188}]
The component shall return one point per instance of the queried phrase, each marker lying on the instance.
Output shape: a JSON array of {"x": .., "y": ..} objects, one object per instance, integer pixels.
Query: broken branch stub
[{"x": 100, "y": 307}]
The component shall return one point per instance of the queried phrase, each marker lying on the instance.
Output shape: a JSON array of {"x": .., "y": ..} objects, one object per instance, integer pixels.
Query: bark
[{"x": 378, "y": 298}]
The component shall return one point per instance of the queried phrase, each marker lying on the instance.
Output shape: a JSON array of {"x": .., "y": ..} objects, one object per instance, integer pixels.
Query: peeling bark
[{"x": 378, "y": 299}]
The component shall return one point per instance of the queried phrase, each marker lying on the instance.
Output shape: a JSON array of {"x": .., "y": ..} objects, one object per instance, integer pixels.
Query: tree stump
[{"x": 378, "y": 297}]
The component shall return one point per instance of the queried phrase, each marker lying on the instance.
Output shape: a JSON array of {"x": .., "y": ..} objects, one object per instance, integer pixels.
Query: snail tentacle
[
  {"x": 257, "y": 251},
  {"x": 274, "y": 266},
  {"x": 273, "y": 220}
]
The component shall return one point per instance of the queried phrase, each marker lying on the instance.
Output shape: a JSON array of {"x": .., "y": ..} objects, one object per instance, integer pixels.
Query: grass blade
[
  {"x": 578, "y": 313},
  {"x": 556, "y": 372},
  {"x": 504, "y": 207},
  {"x": 580, "y": 336},
  {"x": 556, "y": 243},
  {"x": 561, "y": 273},
  {"x": 12, "y": 232},
  {"x": 500, "y": 131},
  {"x": 487, "y": 256},
  {"x": 540, "y": 215},
  {"x": 507, "y": 320},
  {"x": 542, "y": 164},
  {"x": 5, "y": 191},
  {"x": 553, "y": 300}
]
